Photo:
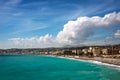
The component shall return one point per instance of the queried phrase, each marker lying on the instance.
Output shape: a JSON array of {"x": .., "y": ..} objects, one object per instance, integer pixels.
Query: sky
[{"x": 58, "y": 23}]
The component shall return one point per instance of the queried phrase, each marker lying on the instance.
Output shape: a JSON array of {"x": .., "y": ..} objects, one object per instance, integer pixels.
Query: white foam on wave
[
  {"x": 91, "y": 61},
  {"x": 105, "y": 64},
  {"x": 95, "y": 62}
]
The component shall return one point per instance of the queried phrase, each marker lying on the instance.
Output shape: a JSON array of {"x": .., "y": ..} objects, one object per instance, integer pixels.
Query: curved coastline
[
  {"x": 86, "y": 59},
  {"x": 91, "y": 61}
]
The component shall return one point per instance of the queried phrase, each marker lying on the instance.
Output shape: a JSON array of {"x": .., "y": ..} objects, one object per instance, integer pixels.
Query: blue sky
[{"x": 22, "y": 20}]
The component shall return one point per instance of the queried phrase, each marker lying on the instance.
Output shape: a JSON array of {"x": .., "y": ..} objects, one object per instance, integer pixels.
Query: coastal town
[
  {"x": 107, "y": 54},
  {"x": 110, "y": 51}
]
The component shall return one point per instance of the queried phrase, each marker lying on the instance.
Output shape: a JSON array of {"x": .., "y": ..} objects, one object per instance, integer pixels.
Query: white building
[
  {"x": 105, "y": 51},
  {"x": 85, "y": 51}
]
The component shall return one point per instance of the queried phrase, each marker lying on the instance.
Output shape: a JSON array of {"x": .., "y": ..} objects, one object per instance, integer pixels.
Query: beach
[{"x": 97, "y": 60}]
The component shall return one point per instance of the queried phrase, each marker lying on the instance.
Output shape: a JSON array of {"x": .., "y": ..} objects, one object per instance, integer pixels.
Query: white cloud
[
  {"x": 117, "y": 34},
  {"x": 42, "y": 41},
  {"x": 47, "y": 41},
  {"x": 73, "y": 33}
]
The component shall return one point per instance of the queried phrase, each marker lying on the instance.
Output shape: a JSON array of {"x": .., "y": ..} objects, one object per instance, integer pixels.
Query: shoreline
[{"x": 114, "y": 63}]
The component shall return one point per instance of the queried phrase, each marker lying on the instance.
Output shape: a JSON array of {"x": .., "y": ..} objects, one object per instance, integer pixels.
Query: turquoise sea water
[{"x": 33, "y": 67}]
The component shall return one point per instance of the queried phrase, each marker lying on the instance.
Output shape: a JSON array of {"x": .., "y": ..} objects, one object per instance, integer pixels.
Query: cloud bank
[
  {"x": 81, "y": 29},
  {"x": 74, "y": 32},
  {"x": 42, "y": 41}
]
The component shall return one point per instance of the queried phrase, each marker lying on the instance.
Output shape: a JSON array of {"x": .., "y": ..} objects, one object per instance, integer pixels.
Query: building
[
  {"x": 90, "y": 49},
  {"x": 85, "y": 51},
  {"x": 67, "y": 52},
  {"x": 77, "y": 51},
  {"x": 115, "y": 51},
  {"x": 96, "y": 51},
  {"x": 105, "y": 51},
  {"x": 74, "y": 51}
]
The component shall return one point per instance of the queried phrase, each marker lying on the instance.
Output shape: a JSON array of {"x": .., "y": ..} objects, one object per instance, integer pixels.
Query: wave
[{"x": 92, "y": 61}]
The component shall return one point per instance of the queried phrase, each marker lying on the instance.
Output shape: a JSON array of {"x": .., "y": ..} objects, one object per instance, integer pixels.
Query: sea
[{"x": 41, "y": 67}]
